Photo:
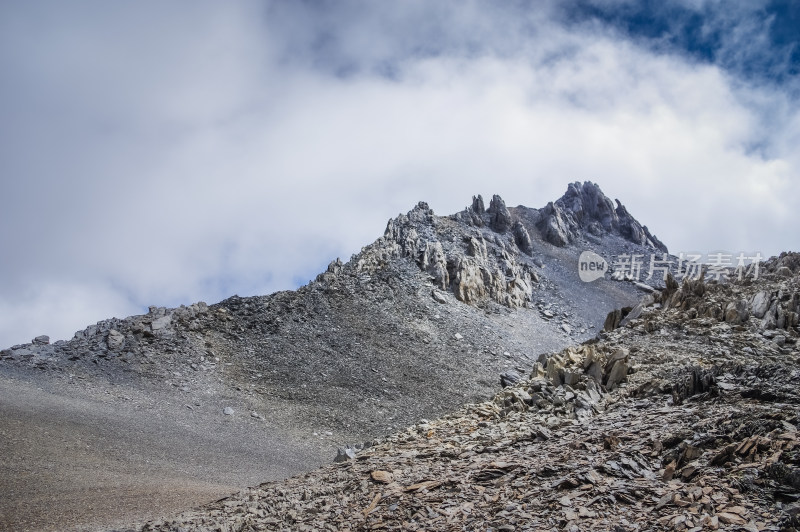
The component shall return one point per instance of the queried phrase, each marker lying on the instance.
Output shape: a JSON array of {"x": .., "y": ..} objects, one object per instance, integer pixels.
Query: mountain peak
[
  {"x": 585, "y": 209},
  {"x": 495, "y": 254}
]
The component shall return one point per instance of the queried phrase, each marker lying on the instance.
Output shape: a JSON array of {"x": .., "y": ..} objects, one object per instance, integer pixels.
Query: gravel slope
[{"x": 82, "y": 459}]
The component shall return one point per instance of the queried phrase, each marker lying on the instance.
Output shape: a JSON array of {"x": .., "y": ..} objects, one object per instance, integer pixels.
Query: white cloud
[{"x": 224, "y": 158}]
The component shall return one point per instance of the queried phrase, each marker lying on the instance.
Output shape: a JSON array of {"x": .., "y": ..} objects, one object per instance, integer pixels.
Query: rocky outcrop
[
  {"x": 482, "y": 254},
  {"x": 787, "y": 259},
  {"x": 766, "y": 310},
  {"x": 471, "y": 260},
  {"x": 554, "y": 226},
  {"x": 522, "y": 238},
  {"x": 584, "y": 209},
  {"x": 477, "y": 205},
  {"x": 582, "y": 212},
  {"x": 434, "y": 261},
  {"x": 607, "y": 368},
  {"x": 499, "y": 216}
]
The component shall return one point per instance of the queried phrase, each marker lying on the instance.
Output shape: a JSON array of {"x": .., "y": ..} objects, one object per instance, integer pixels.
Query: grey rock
[
  {"x": 618, "y": 373},
  {"x": 760, "y": 304},
  {"x": 41, "y": 340},
  {"x": 477, "y": 248},
  {"x": 613, "y": 320},
  {"x": 499, "y": 215},
  {"x": 737, "y": 312},
  {"x": 344, "y": 454},
  {"x": 474, "y": 272},
  {"x": 157, "y": 312},
  {"x": 477, "y": 205},
  {"x": 434, "y": 261},
  {"x": 469, "y": 284},
  {"x": 161, "y": 323},
  {"x": 585, "y": 210},
  {"x": 571, "y": 378},
  {"x": 509, "y": 378},
  {"x": 335, "y": 267},
  {"x": 115, "y": 339},
  {"x": 522, "y": 238},
  {"x": 438, "y": 296},
  {"x": 228, "y": 411},
  {"x": 553, "y": 226}
]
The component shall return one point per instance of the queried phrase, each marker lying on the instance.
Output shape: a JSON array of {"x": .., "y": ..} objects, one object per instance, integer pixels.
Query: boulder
[
  {"x": 575, "y": 364},
  {"x": 553, "y": 226},
  {"x": 509, "y": 378},
  {"x": 115, "y": 339},
  {"x": 438, "y": 296},
  {"x": 737, "y": 312},
  {"x": 615, "y": 369},
  {"x": 160, "y": 324},
  {"x": 343, "y": 454},
  {"x": 760, "y": 304}
]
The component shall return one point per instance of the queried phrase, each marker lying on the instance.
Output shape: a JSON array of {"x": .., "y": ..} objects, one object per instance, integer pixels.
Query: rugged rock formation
[
  {"x": 498, "y": 259},
  {"x": 522, "y": 238},
  {"x": 499, "y": 216},
  {"x": 585, "y": 209},
  {"x": 475, "y": 266},
  {"x": 769, "y": 310}
]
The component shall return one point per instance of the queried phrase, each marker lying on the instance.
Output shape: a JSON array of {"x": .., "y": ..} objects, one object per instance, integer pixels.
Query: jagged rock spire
[
  {"x": 500, "y": 217},
  {"x": 477, "y": 204}
]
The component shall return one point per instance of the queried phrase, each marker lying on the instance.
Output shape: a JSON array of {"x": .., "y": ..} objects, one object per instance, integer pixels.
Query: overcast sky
[{"x": 160, "y": 153}]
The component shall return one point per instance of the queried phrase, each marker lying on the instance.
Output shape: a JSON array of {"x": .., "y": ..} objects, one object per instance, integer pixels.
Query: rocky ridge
[
  {"x": 683, "y": 418},
  {"x": 407, "y": 285}
]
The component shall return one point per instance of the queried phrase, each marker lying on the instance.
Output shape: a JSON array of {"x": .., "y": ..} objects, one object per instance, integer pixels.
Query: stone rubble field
[{"x": 682, "y": 415}]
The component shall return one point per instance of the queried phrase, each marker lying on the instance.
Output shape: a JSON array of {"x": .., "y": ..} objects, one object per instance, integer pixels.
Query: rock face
[
  {"x": 475, "y": 266},
  {"x": 499, "y": 216}
]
